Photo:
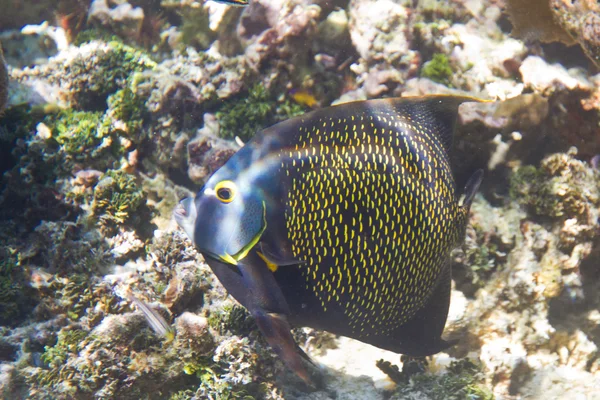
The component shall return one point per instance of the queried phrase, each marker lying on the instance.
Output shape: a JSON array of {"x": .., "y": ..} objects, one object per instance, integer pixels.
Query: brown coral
[
  {"x": 563, "y": 21},
  {"x": 534, "y": 20}
]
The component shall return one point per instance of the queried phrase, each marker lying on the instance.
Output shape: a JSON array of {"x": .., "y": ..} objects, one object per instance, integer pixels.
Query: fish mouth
[
  {"x": 185, "y": 215},
  {"x": 180, "y": 212}
]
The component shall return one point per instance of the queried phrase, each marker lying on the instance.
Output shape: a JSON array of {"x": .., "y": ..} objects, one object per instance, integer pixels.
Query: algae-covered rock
[
  {"x": 462, "y": 380},
  {"x": 562, "y": 187}
]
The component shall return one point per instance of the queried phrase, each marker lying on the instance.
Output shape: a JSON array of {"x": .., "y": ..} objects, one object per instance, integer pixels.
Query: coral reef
[{"x": 117, "y": 109}]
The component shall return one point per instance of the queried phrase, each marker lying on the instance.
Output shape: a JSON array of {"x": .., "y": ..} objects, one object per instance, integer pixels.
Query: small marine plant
[
  {"x": 438, "y": 69},
  {"x": 126, "y": 106}
]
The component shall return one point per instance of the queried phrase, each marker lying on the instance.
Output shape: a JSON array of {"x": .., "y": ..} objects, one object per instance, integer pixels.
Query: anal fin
[{"x": 422, "y": 335}]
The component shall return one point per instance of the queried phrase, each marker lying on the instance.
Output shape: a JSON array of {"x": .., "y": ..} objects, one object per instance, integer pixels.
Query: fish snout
[
  {"x": 180, "y": 211},
  {"x": 185, "y": 215}
]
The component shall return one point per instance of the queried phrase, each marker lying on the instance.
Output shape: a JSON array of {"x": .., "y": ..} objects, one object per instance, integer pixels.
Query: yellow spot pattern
[{"x": 373, "y": 212}]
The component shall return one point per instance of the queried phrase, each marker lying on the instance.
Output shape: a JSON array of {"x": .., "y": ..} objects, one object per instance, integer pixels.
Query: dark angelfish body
[{"x": 342, "y": 220}]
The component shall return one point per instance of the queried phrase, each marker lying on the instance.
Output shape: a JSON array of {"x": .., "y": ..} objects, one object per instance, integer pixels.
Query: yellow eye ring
[{"x": 225, "y": 191}]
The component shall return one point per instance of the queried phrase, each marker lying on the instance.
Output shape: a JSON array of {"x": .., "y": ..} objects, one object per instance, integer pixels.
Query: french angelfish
[{"x": 342, "y": 220}]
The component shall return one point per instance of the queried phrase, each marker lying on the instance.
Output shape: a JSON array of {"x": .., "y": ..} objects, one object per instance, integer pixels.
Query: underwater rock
[
  {"x": 207, "y": 152},
  {"x": 484, "y": 55},
  {"x": 379, "y": 33},
  {"x": 378, "y": 29},
  {"x": 562, "y": 187},
  {"x": 119, "y": 17},
  {"x": 33, "y": 45},
  {"x": 526, "y": 294},
  {"x": 88, "y": 74},
  {"x": 581, "y": 21},
  {"x": 186, "y": 81},
  {"x": 545, "y": 78}
]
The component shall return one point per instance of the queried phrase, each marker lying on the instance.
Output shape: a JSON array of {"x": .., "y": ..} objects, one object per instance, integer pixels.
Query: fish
[
  {"x": 304, "y": 98},
  {"x": 342, "y": 220},
  {"x": 3, "y": 82},
  {"x": 156, "y": 321},
  {"x": 595, "y": 161},
  {"x": 236, "y": 3}
]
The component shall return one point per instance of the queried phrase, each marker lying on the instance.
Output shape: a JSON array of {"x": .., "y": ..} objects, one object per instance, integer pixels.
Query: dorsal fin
[{"x": 437, "y": 114}]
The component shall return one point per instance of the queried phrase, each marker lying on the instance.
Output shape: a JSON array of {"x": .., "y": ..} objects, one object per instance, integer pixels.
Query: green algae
[
  {"x": 187, "y": 394},
  {"x": 92, "y": 80},
  {"x": 11, "y": 295},
  {"x": 78, "y": 132},
  {"x": 232, "y": 318},
  {"x": 68, "y": 342},
  {"x": 438, "y": 69},
  {"x": 258, "y": 109},
  {"x": 117, "y": 196},
  {"x": 213, "y": 386},
  {"x": 195, "y": 29},
  {"x": 126, "y": 106},
  {"x": 82, "y": 295}
]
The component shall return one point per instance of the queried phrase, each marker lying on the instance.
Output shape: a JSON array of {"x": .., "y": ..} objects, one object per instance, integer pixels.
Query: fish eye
[{"x": 225, "y": 191}]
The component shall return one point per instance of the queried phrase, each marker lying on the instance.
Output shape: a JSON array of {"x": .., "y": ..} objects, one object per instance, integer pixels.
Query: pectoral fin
[
  {"x": 268, "y": 306},
  {"x": 274, "y": 259},
  {"x": 276, "y": 330}
]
